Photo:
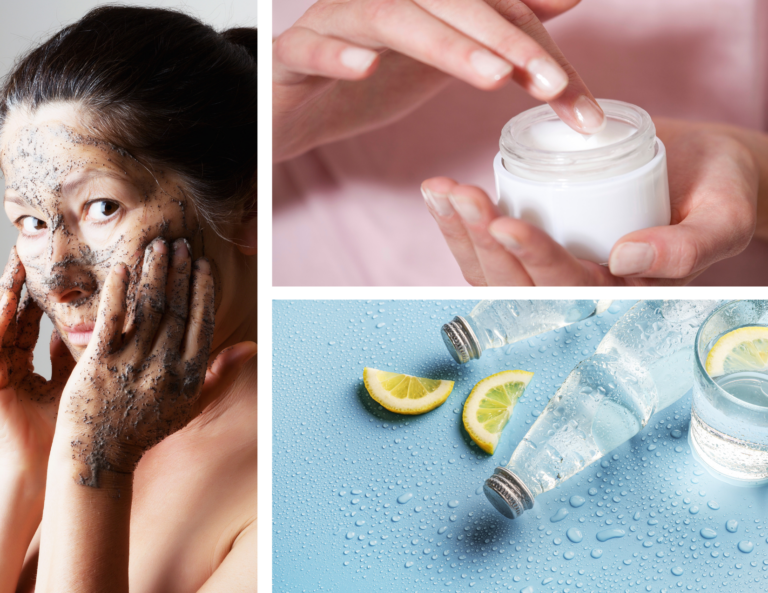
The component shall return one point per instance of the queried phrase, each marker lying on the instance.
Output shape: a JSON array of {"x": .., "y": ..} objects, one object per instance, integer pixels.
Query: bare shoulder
[{"x": 195, "y": 497}]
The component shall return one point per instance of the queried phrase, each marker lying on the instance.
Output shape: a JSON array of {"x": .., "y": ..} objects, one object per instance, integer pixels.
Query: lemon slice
[
  {"x": 405, "y": 394},
  {"x": 743, "y": 349},
  {"x": 489, "y": 406}
]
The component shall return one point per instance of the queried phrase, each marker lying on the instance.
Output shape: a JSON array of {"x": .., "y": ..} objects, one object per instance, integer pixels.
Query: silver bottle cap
[
  {"x": 507, "y": 493},
  {"x": 461, "y": 340}
]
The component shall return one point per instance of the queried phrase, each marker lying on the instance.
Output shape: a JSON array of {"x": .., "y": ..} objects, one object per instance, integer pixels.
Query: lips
[{"x": 79, "y": 334}]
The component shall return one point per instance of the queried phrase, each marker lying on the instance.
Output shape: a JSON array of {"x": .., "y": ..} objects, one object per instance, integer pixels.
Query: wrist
[
  {"x": 26, "y": 475},
  {"x": 91, "y": 460}
]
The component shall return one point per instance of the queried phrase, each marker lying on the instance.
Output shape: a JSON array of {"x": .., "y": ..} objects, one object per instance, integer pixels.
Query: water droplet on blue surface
[
  {"x": 561, "y": 514},
  {"x": 676, "y": 434},
  {"x": 708, "y": 533},
  {"x": 574, "y": 535},
  {"x": 745, "y": 546},
  {"x": 453, "y": 504},
  {"x": 576, "y": 501},
  {"x": 527, "y": 590},
  {"x": 350, "y": 535},
  {"x": 596, "y": 553},
  {"x": 694, "y": 509},
  {"x": 569, "y": 555},
  {"x": 442, "y": 530},
  {"x": 677, "y": 571},
  {"x": 592, "y": 491},
  {"x": 732, "y": 526},
  {"x": 408, "y": 564},
  {"x": 403, "y": 498},
  {"x": 360, "y": 522},
  {"x": 713, "y": 505},
  {"x": 607, "y": 534}
]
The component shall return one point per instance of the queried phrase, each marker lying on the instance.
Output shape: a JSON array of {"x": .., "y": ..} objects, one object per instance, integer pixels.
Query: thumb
[
  {"x": 62, "y": 362},
  {"x": 680, "y": 250},
  {"x": 223, "y": 371}
]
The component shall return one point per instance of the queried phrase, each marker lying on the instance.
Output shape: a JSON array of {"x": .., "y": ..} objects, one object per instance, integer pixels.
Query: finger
[
  {"x": 62, "y": 362},
  {"x": 407, "y": 28},
  {"x": 546, "y": 262},
  {"x": 10, "y": 284},
  {"x": 681, "y": 250},
  {"x": 576, "y": 105},
  {"x": 171, "y": 331},
  {"x": 151, "y": 295},
  {"x": 300, "y": 52},
  {"x": 435, "y": 192},
  {"x": 500, "y": 267},
  {"x": 534, "y": 68},
  {"x": 224, "y": 371},
  {"x": 28, "y": 323},
  {"x": 199, "y": 335},
  {"x": 107, "y": 333},
  {"x": 549, "y": 9}
]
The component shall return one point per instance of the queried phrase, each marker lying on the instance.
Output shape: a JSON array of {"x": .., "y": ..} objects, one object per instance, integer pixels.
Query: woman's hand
[
  {"x": 131, "y": 390},
  {"x": 28, "y": 403},
  {"x": 348, "y": 67},
  {"x": 713, "y": 183}
]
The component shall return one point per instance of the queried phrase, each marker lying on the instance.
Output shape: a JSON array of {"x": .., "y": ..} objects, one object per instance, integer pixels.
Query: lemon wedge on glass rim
[
  {"x": 490, "y": 404},
  {"x": 743, "y": 349},
  {"x": 405, "y": 394}
]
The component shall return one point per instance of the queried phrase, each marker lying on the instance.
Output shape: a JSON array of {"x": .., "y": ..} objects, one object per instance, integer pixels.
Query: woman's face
[{"x": 80, "y": 206}]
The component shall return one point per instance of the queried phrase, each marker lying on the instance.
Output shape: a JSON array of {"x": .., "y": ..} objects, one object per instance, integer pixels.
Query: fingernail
[
  {"x": 466, "y": 208},
  {"x": 547, "y": 75},
  {"x": 121, "y": 270},
  {"x": 438, "y": 202},
  {"x": 589, "y": 115},
  {"x": 488, "y": 65},
  {"x": 357, "y": 59},
  {"x": 180, "y": 249},
  {"x": 631, "y": 258},
  {"x": 203, "y": 266},
  {"x": 159, "y": 246},
  {"x": 507, "y": 241}
]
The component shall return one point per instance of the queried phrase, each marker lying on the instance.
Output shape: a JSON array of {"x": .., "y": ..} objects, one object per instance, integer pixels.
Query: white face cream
[
  {"x": 557, "y": 136},
  {"x": 585, "y": 191}
]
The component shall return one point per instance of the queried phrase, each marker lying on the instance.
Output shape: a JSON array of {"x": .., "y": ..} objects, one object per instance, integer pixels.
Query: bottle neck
[
  {"x": 460, "y": 340},
  {"x": 507, "y": 493}
]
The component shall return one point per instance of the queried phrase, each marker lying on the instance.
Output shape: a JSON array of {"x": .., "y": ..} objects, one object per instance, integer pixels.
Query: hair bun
[{"x": 243, "y": 36}]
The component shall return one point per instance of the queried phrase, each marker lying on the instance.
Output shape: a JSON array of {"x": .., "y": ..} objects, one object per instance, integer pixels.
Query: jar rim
[{"x": 583, "y": 162}]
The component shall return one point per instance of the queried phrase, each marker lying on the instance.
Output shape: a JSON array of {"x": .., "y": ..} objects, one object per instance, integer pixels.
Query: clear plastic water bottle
[
  {"x": 642, "y": 365},
  {"x": 492, "y": 324}
]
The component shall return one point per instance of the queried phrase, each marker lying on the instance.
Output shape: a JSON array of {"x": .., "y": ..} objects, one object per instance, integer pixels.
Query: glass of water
[{"x": 729, "y": 417}]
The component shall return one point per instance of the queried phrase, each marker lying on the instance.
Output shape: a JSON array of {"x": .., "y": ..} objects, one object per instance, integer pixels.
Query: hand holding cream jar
[{"x": 586, "y": 192}]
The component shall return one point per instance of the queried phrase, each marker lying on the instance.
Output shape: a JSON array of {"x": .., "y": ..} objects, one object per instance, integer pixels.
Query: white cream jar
[{"x": 585, "y": 191}]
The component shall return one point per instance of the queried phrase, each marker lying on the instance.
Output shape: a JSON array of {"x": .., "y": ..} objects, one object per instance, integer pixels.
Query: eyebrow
[
  {"x": 14, "y": 199},
  {"x": 83, "y": 177}
]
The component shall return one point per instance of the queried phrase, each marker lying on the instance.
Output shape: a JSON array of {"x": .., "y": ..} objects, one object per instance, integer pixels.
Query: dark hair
[{"x": 163, "y": 86}]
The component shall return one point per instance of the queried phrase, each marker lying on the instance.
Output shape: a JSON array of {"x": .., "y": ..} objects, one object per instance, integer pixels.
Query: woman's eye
[
  {"x": 102, "y": 209},
  {"x": 32, "y": 225}
]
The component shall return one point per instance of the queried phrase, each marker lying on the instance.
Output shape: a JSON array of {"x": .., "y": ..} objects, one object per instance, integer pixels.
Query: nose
[{"x": 68, "y": 274}]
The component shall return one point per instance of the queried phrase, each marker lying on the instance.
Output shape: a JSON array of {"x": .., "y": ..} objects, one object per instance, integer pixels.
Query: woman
[
  {"x": 128, "y": 146},
  {"x": 369, "y": 102}
]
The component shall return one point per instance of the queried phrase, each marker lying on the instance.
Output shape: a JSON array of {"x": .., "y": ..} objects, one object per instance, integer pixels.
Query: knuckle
[
  {"x": 283, "y": 48},
  {"x": 379, "y": 13},
  {"x": 688, "y": 257},
  {"x": 517, "y": 13}
]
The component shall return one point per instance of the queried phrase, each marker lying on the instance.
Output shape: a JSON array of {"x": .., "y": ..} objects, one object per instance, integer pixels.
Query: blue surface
[{"x": 341, "y": 462}]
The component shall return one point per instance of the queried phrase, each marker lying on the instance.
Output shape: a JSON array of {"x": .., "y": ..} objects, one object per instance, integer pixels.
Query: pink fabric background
[{"x": 350, "y": 213}]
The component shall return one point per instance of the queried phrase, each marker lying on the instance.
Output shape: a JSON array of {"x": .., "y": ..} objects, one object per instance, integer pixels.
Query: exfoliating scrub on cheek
[
  {"x": 585, "y": 191},
  {"x": 81, "y": 206}
]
